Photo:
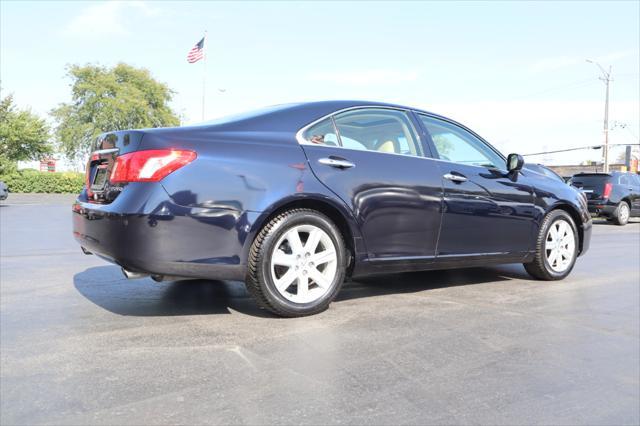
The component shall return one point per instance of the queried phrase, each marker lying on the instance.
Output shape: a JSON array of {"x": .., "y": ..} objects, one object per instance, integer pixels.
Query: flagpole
[{"x": 204, "y": 73}]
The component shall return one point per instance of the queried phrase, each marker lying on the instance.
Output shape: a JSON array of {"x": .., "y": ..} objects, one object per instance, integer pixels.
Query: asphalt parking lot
[{"x": 82, "y": 345}]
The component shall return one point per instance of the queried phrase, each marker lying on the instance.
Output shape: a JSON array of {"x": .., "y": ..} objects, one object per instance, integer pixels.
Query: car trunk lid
[{"x": 104, "y": 151}]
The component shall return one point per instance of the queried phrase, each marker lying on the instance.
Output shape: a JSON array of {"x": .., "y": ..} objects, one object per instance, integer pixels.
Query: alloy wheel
[
  {"x": 623, "y": 212},
  {"x": 304, "y": 264},
  {"x": 560, "y": 245}
]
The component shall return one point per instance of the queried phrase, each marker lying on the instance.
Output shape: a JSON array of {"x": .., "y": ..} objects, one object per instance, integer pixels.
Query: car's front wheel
[
  {"x": 296, "y": 263},
  {"x": 556, "y": 247}
]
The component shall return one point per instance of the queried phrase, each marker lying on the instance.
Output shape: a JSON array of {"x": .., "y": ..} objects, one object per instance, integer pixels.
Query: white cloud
[
  {"x": 365, "y": 77},
  {"x": 107, "y": 18}
]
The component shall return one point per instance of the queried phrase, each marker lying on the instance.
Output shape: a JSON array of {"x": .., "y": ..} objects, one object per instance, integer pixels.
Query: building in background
[{"x": 51, "y": 164}]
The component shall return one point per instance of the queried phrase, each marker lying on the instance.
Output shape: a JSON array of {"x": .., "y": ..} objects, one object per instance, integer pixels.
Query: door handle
[
  {"x": 337, "y": 163},
  {"x": 455, "y": 178}
]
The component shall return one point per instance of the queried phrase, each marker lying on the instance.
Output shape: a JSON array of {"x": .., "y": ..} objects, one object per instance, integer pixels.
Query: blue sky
[{"x": 514, "y": 72}]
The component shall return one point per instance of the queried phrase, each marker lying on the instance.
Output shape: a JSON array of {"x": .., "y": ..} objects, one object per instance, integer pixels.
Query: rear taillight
[
  {"x": 149, "y": 166},
  {"x": 607, "y": 190}
]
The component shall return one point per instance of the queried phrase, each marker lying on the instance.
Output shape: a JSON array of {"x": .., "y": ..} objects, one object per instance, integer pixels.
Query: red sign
[{"x": 48, "y": 165}]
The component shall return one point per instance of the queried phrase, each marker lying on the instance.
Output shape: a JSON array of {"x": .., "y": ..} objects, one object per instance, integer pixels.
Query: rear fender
[{"x": 325, "y": 203}]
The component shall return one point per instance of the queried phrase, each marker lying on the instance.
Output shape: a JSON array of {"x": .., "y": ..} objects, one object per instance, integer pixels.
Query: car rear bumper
[
  {"x": 601, "y": 208},
  {"x": 144, "y": 231}
]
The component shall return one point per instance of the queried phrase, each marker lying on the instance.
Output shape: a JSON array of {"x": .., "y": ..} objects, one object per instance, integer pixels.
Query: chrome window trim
[
  {"x": 473, "y": 165},
  {"x": 302, "y": 141}
]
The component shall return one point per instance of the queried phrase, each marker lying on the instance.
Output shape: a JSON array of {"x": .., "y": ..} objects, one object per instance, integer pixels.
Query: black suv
[{"x": 614, "y": 195}]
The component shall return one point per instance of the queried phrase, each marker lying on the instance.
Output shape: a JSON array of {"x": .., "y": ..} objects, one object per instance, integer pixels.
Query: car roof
[{"x": 293, "y": 116}]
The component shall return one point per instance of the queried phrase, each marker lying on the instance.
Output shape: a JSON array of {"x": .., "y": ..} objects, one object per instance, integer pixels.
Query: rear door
[
  {"x": 372, "y": 158},
  {"x": 486, "y": 210}
]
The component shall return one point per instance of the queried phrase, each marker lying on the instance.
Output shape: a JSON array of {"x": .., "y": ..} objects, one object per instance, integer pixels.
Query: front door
[
  {"x": 487, "y": 211},
  {"x": 372, "y": 159}
]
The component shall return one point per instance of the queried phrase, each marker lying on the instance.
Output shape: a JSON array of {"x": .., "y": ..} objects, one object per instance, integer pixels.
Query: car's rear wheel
[
  {"x": 621, "y": 214},
  {"x": 556, "y": 247},
  {"x": 296, "y": 263}
]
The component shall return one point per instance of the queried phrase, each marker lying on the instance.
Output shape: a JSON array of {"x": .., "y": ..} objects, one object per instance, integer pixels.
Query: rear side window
[
  {"x": 624, "y": 180},
  {"x": 377, "y": 129},
  {"x": 322, "y": 133}
]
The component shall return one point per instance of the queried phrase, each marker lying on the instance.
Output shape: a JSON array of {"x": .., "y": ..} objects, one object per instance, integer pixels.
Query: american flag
[{"x": 197, "y": 52}]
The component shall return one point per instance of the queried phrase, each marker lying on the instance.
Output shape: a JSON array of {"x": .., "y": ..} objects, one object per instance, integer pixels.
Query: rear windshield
[{"x": 590, "y": 180}]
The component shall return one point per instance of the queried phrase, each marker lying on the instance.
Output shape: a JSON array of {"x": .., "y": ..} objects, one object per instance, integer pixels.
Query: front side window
[{"x": 455, "y": 144}]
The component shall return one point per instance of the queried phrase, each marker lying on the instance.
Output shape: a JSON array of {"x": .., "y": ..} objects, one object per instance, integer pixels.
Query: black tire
[
  {"x": 259, "y": 281},
  {"x": 539, "y": 268},
  {"x": 621, "y": 219}
]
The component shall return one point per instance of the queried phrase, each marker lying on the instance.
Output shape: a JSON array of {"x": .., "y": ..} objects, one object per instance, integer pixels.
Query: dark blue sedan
[{"x": 294, "y": 199}]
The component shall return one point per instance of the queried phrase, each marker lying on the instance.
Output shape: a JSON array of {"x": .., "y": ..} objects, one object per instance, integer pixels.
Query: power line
[{"x": 579, "y": 148}]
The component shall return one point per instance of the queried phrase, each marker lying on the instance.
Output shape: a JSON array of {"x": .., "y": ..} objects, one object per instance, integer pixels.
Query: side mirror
[{"x": 515, "y": 162}]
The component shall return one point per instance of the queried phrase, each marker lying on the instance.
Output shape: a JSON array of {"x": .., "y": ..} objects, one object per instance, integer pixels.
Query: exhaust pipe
[{"x": 130, "y": 275}]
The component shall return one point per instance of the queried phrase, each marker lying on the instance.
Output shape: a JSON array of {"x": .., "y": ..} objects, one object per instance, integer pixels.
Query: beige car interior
[{"x": 386, "y": 132}]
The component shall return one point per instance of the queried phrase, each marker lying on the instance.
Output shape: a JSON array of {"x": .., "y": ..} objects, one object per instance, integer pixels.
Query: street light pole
[{"x": 606, "y": 77}]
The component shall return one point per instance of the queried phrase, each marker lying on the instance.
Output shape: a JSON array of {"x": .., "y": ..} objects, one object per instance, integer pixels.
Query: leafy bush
[
  {"x": 7, "y": 166},
  {"x": 30, "y": 180}
]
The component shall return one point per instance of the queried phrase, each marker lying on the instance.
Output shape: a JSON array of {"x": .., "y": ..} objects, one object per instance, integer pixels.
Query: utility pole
[{"x": 606, "y": 77}]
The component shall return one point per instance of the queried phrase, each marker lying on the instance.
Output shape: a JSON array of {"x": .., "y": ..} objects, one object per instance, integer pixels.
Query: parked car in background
[
  {"x": 614, "y": 195},
  {"x": 544, "y": 170},
  {"x": 294, "y": 199},
  {"x": 4, "y": 191}
]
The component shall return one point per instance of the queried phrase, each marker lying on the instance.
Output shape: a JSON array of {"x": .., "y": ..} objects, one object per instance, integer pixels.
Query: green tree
[
  {"x": 23, "y": 135},
  {"x": 108, "y": 99}
]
